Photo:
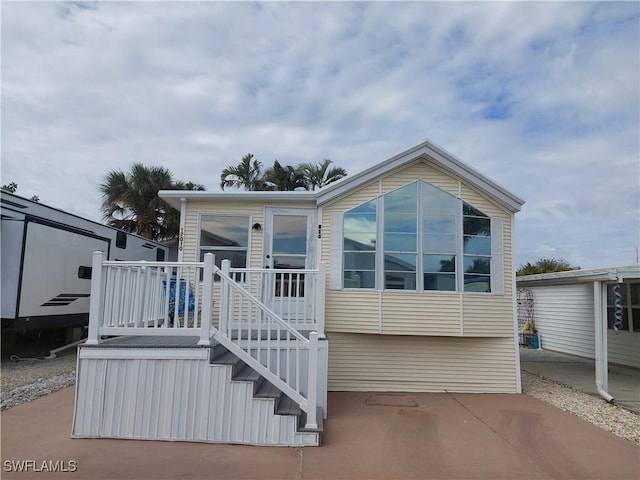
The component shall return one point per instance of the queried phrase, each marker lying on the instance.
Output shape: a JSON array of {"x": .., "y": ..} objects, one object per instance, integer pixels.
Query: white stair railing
[{"x": 268, "y": 344}]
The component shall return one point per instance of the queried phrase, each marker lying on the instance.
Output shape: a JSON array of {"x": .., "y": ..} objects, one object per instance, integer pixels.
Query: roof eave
[
  {"x": 577, "y": 276},
  {"x": 174, "y": 197}
]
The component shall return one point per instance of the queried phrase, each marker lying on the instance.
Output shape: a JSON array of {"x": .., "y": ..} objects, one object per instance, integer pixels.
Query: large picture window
[
  {"x": 400, "y": 238},
  {"x": 417, "y": 238},
  {"x": 359, "y": 246},
  {"x": 226, "y": 236},
  {"x": 477, "y": 250}
]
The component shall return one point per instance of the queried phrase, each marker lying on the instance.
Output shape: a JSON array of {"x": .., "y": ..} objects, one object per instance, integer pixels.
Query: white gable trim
[
  {"x": 335, "y": 267},
  {"x": 429, "y": 152}
]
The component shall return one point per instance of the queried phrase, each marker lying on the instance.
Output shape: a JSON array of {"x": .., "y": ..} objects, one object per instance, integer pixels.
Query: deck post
[
  {"x": 224, "y": 297},
  {"x": 320, "y": 295},
  {"x": 312, "y": 393},
  {"x": 95, "y": 301},
  {"x": 207, "y": 300}
]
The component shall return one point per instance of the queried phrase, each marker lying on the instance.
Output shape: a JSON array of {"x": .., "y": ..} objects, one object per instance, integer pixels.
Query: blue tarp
[{"x": 172, "y": 296}]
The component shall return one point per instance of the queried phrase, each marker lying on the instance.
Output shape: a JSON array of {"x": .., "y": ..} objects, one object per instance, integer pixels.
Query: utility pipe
[{"x": 51, "y": 354}]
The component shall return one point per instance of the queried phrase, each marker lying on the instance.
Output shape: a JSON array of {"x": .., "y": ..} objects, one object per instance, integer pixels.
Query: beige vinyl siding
[
  {"x": 421, "y": 364},
  {"x": 420, "y": 170},
  {"x": 488, "y": 315},
  {"x": 428, "y": 313},
  {"x": 352, "y": 199},
  {"x": 352, "y": 311},
  {"x": 480, "y": 201}
]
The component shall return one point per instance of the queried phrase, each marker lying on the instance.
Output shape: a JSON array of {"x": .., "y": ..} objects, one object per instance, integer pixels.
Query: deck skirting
[{"x": 173, "y": 394}]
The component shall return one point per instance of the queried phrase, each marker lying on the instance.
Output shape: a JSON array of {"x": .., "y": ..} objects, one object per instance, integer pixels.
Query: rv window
[
  {"x": 159, "y": 255},
  {"x": 121, "y": 240},
  {"x": 84, "y": 272}
]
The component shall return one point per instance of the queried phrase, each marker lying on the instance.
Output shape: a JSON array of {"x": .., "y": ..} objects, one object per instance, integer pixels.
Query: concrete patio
[
  {"x": 367, "y": 436},
  {"x": 580, "y": 373}
]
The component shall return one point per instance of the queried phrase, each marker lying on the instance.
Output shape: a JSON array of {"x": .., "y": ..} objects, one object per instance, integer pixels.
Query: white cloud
[{"x": 541, "y": 97}]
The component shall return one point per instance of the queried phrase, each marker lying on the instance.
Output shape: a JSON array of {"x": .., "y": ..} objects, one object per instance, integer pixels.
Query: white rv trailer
[{"x": 46, "y": 263}]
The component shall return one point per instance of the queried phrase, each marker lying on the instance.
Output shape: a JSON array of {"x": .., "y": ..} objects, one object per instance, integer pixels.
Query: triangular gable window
[{"x": 417, "y": 238}]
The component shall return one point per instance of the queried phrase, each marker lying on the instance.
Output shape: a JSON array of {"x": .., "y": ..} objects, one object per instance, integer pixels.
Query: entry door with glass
[{"x": 289, "y": 246}]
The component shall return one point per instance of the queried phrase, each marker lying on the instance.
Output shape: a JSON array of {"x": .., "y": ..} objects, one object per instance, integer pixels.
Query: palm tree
[
  {"x": 284, "y": 178},
  {"x": 130, "y": 201},
  {"x": 247, "y": 174},
  {"x": 319, "y": 175}
]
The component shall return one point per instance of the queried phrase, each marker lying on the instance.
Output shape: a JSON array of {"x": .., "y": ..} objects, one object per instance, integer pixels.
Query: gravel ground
[
  {"x": 25, "y": 381},
  {"x": 612, "y": 418}
]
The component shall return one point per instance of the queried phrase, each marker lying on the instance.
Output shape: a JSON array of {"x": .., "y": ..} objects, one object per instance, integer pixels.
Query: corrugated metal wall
[
  {"x": 156, "y": 398},
  {"x": 624, "y": 348},
  {"x": 421, "y": 364},
  {"x": 563, "y": 316}
]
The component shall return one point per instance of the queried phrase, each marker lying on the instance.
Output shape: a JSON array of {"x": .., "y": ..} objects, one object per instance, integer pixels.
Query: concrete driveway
[{"x": 421, "y": 436}]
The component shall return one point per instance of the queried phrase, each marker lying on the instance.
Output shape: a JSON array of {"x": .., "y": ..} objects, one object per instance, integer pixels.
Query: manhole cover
[{"x": 390, "y": 400}]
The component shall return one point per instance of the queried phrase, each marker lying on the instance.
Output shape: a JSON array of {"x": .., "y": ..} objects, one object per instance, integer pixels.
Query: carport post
[{"x": 601, "y": 354}]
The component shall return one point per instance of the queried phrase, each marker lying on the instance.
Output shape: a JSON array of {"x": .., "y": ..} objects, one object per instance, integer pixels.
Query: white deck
[{"x": 157, "y": 377}]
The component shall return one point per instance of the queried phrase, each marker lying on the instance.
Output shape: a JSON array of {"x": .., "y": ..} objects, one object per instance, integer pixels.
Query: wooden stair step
[
  {"x": 286, "y": 406},
  {"x": 226, "y": 358},
  {"x": 267, "y": 390},
  {"x": 247, "y": 374}
]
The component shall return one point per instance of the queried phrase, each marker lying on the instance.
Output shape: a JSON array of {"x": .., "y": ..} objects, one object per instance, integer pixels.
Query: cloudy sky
[{"x": 544, "y": 98}]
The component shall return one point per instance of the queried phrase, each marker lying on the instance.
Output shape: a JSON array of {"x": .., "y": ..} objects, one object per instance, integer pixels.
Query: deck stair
[{"x": 263, "y": 389}]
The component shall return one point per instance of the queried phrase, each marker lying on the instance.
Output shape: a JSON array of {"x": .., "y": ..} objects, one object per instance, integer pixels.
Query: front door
[{"x": 289, "y": 246}]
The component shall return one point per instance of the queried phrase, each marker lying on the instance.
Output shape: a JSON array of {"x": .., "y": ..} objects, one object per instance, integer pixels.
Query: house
[
  {"x": 574, "y": 312},
  {"x": 398, "y": 278}
]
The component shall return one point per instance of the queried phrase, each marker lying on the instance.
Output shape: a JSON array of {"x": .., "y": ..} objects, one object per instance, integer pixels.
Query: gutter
[{"x": 604, "y": 394}]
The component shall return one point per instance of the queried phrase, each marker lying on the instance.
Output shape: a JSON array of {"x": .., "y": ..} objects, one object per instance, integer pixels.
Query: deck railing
[
  {"x": 149, "y": 298},
  {"x": 260, "y": 314},
  {"x": 296, "y": 296}
]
